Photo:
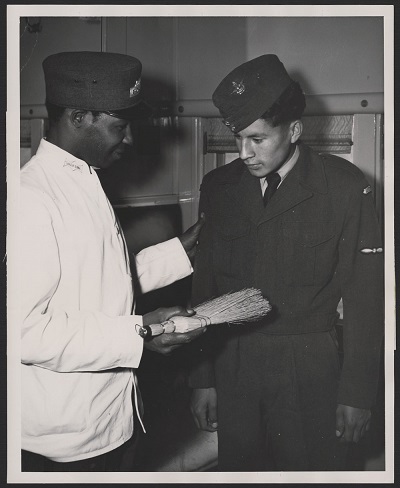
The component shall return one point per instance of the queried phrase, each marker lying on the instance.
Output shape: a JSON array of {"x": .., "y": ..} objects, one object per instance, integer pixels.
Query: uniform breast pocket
[
  {"x": 231, "y": 247},
  {"x": 309, "y": 252}
]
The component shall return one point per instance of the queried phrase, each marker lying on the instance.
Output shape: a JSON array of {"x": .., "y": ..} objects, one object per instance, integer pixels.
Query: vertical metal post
[
  {"x": 103, "y": 34},
  {"x": 367, "y": 153}
]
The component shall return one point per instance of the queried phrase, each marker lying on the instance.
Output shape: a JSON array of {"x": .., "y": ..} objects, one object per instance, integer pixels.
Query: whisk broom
[{"x": 247, "y": 305}]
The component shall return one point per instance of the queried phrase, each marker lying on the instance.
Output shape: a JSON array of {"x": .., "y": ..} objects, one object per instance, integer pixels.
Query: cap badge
[
  {"x": 135, "y": 89},
  {"x": 367, "y": 190},
  {"x": 238, "y": 88}
]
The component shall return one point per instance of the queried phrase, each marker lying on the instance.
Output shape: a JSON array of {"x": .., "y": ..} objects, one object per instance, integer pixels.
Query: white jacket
[{"x": 79, "y": 343}]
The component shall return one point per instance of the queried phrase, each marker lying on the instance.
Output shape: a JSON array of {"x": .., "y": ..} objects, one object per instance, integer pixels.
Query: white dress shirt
[{"x": 79, "y": 343}]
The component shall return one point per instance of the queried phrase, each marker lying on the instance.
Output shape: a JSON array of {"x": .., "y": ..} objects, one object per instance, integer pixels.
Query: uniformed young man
[
  {"x": 300, "y": 226},
  {"x": 80, "y": 338}
]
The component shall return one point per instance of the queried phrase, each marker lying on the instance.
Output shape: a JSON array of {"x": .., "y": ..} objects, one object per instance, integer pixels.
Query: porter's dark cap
[
  {"x": 99, "y": 81},
  {"x": 248, "y": 91}
]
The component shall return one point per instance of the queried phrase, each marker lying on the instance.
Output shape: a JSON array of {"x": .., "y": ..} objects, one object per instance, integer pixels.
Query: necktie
[{"x": 273, "y": 180}]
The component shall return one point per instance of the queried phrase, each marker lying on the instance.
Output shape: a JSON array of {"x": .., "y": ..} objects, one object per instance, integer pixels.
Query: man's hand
[
  {"x": 204, "y": 408},
  {"x": 166, "y": 343},
  {"x": 189, "y": 238},
  {"x": 352, "y": 423},
  {"x": 165, "y": 313}
]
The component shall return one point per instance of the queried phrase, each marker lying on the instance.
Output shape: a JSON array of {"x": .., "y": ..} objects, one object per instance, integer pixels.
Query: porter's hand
[
  {"x": 164, "y": 313},
  {"x": 167, "y": 343},
  {"x": 189, "y": 238}
]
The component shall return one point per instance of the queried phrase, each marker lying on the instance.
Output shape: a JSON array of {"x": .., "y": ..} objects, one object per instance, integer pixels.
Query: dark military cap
[
  {"x": 248, "y": 91},
  {"x": 98, "y": 81}
]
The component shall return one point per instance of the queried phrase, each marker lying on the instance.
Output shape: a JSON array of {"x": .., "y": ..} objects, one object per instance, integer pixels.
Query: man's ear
[
  {"x": 296, "y": 128},
  {"x": 78, "y": 118}
]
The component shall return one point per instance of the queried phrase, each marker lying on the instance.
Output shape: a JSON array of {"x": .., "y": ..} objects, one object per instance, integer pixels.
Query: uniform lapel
[
  {"x": 289, "y": 194},
  {"x": 247, "y": 194},
  {"x": 306, "y": 178}
]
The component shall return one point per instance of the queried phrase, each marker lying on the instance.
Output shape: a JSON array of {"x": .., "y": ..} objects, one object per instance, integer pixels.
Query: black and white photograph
[{"x": 200, "y": 244}]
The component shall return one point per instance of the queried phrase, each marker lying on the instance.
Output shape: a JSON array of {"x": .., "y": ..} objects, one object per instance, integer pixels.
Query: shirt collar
[
  {"x": 286, "y": 167},
  {"x": 283, "y": 171},
  {"x": 62, "y": 158}
]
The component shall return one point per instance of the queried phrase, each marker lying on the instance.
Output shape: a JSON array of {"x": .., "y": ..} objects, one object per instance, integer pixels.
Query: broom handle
[
  {"x": 185, "y": 324},
  {"x": 175, "y": 324},
  {"x": 149, "y": 331}
]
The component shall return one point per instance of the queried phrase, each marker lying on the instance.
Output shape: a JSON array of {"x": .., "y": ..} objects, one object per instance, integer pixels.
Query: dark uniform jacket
[{"x": 317, "y": 240}]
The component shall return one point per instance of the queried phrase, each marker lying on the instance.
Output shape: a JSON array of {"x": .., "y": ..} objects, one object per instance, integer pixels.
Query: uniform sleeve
[
  {"x": 361, "y": 275},
  {"x": 203, "y": 287},
  {"x": 161, "y": 265},
  {"x": 50, "y": 337}
]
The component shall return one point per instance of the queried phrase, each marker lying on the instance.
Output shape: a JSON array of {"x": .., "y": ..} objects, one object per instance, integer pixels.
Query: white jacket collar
[{"x": 57, "y": 156}]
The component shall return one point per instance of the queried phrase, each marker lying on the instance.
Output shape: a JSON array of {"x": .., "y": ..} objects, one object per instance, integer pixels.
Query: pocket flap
[{"x": 309, "y": 234}]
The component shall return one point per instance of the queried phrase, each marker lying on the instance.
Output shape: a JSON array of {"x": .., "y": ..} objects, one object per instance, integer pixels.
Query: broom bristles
[{"x": 247, "y": 305}]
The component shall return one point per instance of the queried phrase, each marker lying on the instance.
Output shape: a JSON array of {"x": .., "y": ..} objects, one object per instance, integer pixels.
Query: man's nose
[
  {"x": 245, "y": 150},
  {"x": 128, "y": 138}
]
